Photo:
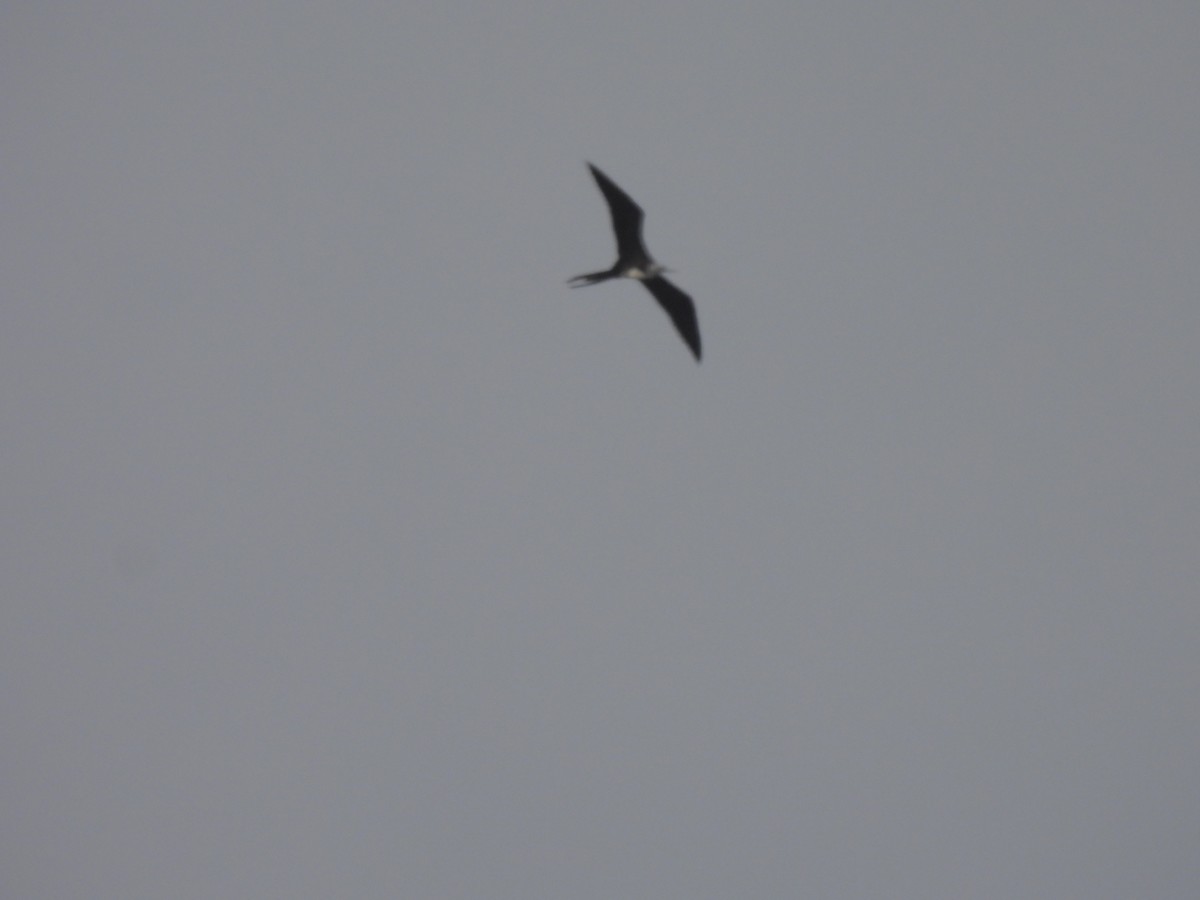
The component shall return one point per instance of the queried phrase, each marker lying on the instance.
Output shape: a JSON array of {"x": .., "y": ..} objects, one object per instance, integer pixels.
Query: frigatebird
[{"x": 633, "y": 261}]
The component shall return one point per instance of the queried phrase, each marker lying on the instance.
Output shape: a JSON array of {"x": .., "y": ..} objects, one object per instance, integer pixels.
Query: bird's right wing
[{"x": 626, "y": 216}]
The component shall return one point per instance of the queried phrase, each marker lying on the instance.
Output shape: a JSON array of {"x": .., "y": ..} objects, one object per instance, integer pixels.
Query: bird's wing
[
  {"x": 626, "y": 217},
  {"x": 680, "y": 308}
]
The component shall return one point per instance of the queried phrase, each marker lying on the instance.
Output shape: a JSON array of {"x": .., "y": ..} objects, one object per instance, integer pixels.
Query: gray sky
[{"x": 344, "y": 551}]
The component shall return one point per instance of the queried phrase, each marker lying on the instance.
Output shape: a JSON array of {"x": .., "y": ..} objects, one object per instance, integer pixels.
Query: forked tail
[{"x": 591, "y": 278}]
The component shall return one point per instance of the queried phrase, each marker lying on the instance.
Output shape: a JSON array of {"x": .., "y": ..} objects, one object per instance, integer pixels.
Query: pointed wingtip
[{"x": 679, "y": 308}]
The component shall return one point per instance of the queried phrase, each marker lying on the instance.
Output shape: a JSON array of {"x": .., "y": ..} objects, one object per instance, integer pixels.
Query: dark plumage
[{"x": 633, "y": 261}]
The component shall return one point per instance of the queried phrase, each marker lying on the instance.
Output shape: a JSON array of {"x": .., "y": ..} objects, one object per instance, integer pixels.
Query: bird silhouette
[{"x": 634, "y": 261}]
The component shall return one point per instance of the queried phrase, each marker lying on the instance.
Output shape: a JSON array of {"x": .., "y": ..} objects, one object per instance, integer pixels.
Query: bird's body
[{"x": 633, "y": 261}]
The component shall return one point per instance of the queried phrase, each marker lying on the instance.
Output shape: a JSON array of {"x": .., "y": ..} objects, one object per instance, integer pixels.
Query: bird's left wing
[{"x": 680, "y": 308}]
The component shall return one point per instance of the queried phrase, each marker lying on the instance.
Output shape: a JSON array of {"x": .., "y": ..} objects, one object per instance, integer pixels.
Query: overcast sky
[{"x": 346, "y": 552}]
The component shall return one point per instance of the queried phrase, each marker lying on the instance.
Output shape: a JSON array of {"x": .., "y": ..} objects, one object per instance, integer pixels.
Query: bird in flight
[{"x": 633, "y": 261}]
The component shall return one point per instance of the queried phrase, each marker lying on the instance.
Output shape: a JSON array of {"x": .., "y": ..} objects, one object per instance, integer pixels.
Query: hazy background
[{"x": 347, "y": 553}]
